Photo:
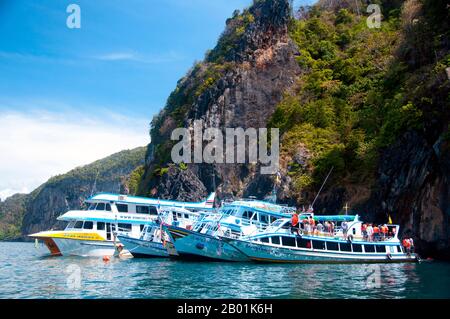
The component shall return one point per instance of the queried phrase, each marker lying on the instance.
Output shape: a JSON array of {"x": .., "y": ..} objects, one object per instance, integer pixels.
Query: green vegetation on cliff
[{"x": 360, "y": 89}]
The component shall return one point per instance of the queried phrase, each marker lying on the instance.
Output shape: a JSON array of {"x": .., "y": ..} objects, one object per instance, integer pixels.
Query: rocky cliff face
[
  {"x": 257, "y": 65},
  {"x": 37, "y": 211}
]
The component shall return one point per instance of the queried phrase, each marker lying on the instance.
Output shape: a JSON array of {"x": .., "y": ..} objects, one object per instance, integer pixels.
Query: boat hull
[
  {"x": 193, "y": 245},
  {"x": 269, "y": 253},
  {"x": 147, "y": 249}
]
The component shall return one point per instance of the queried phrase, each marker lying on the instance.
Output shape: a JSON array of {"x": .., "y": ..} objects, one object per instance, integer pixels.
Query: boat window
[
  {"x": 174, "y": 216},
  {"x": 186, "y": 216},
  {"x": 92, "y": 206},
  {"x": 331, "y": 245},
  {"x": 276, "y": 240},
  {"x": 122, "y": 208},
  {"x": 345, "y": 247},
  {"x": 153, "y": 210},
  {"x": 142, "y": 209},
  {"x": 100, "y": 206},
  {"x": 357, "y": 248},
  {"x": 88, "y": 225},
  {"x": 100, "y": 226},
  {"x": 380, "y": 248},
  {"x": 289, "y": 241},
  {"x": 369, "y": 248},
  {"x": 255, "y": 216},
  {"x": 247, "y": 214},
  {"x": 71, "y": 224},
  {"x": 78, "y": 224},
  {"x": 272, "y": 219},
  {"x": 318, "y": 244},
  {"x": 303, "y": 243},
  {"x": 264, "y": 239},
  {"x": 141, "y": 227},
  {"x": 180, "y": 215},
  {"x": 125, "y": 227},
  {"x": 264, "y": 219},
  {"x": 108, "y": 207},
  {"x": 399, "y": 249}
]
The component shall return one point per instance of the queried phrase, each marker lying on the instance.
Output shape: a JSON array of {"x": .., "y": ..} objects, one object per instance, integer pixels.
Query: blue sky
[{"x": 106, "y": 79}]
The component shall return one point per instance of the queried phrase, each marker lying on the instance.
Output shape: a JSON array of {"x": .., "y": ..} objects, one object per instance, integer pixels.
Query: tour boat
[
  {"x": 239, "y": 218},
  {"x": 153, "y": 240},
  {"x": 93, "y": 232},
  {"x": 278, "y": 244}
]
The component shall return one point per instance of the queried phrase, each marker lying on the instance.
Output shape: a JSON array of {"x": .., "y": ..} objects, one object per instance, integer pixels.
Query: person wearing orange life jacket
[
  {"x": 312, "y": 225},
  {"x": 294, "y": 223},
  {"x": 376, "y": 233},
  {"x": 407, "y": 245},
  {"x": 384, "y": 231}
]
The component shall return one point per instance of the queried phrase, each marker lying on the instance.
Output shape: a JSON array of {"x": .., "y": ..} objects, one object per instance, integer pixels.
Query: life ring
[{"x": 350, "y": 239}]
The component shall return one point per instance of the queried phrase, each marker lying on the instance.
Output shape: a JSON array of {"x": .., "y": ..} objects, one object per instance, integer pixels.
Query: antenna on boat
[
  {"x": 323, "y": 184},
  {"x": 95, "y": 184}
]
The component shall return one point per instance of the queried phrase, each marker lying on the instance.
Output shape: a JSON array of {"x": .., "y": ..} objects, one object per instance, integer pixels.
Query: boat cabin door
[{"x": 108, "y": 231}]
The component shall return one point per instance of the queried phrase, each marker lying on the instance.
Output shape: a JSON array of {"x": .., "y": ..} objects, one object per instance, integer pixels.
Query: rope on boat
[{"x": 323, "y": 184}]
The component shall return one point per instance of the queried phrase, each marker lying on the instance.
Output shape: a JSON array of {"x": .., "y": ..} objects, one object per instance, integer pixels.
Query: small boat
[
  {"x": 236, "y": 219},
  {"x": 93, "y": 232},
  {"x": 153, "y": 240},
  {"x": 278, "y": 244}
]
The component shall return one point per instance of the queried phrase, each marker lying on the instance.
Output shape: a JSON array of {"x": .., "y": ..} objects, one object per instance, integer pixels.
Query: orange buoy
[{"x": 106, "y": 258}]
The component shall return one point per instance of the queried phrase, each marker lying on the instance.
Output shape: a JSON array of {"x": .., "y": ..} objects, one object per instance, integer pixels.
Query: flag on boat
[{"x": 390, "y": 219}]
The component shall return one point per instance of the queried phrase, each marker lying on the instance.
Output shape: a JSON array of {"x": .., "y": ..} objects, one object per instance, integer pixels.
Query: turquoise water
[{"x": 25, "y": 274}]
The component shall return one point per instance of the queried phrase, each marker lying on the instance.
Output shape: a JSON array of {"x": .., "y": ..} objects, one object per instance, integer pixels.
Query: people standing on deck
[
  {"x": 320, "y": 228},
  {"x": 406, "y": 243},
  {"x": 327, "y": 227},
  {"x": 376, "y": 233},
  {"x": 331, "y": 229},
  {"x": 411, "y": 244},
  {"x": 305, "y": 222},
  {"x": 369, "y": 230},
  {"x": 294, "y": 223},
  {"x": 312, "y": 225},
  {"x": 384, "y": 231},
  {"x": 344, "y": 227},
  {"x": 364, "y": 231}
]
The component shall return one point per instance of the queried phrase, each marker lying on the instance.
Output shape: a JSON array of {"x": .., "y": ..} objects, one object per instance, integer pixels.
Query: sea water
[{"x": 24, "y": 273}]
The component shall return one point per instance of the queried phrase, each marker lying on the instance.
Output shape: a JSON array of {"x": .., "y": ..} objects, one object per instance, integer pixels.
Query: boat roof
[
  {"x": 262, "y": 206},
  {"x": 110, "y": 197},
  {"x": 339, "y": 218}
]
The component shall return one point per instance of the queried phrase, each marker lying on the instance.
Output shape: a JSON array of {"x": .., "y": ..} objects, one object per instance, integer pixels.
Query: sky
[{"x": 71, "y": 96}]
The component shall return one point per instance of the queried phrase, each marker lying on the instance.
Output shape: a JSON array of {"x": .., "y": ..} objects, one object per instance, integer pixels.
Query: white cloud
[
  {"x": 37, "y": 145},
  {"x": 132, "y": 56}
]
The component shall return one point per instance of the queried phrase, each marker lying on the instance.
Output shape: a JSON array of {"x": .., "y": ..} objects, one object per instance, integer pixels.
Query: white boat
[
  {"x": 153, "y": 240},
  {"x": 278, "y": 244},
  {"x": 239, "y": 218},
  {"x": 93, "y": 232}
]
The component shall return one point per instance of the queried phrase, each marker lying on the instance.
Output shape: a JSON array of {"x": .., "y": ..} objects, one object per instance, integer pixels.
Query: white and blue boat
[
  {"x": 93, "y": 231},
  {"x": 153, "y": 240},
  {"x": 236, "y": 219},
  {"x": 279, "y": 244}
]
